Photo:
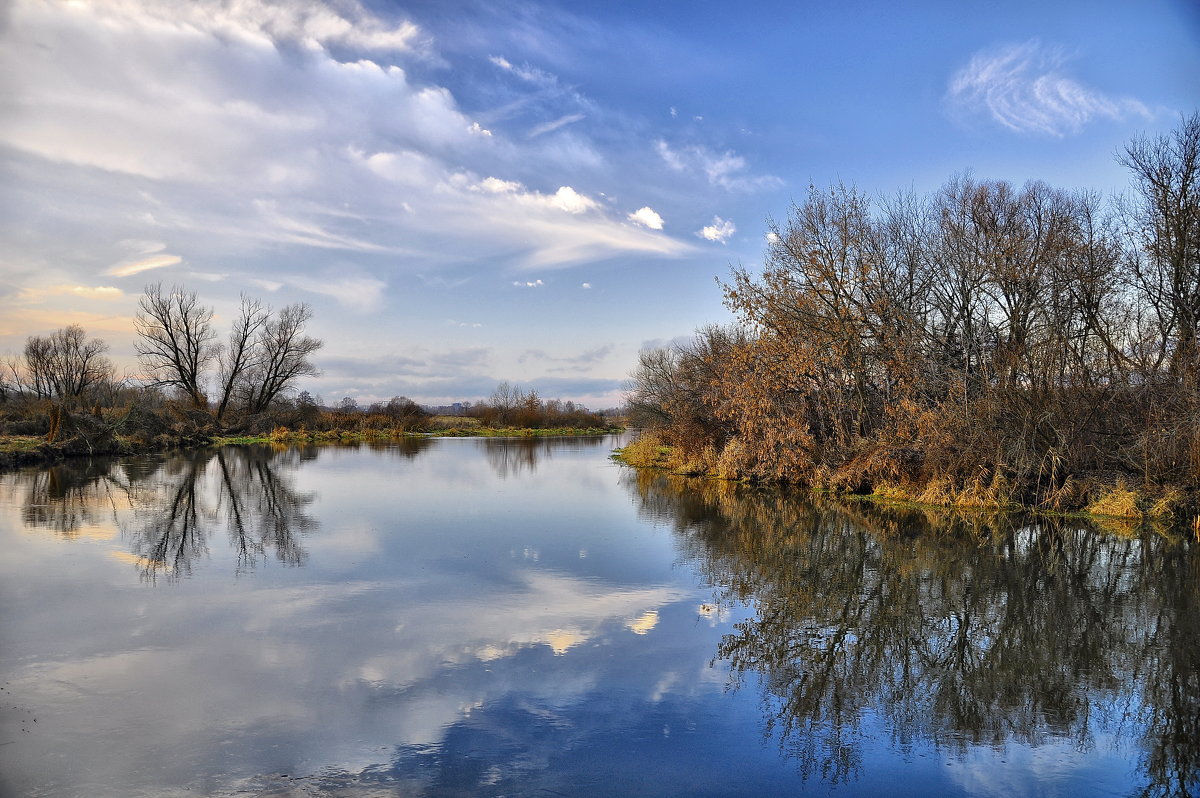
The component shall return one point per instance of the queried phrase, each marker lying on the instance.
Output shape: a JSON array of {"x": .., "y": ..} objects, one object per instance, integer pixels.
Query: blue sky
[{"x": 470, "y": 192}]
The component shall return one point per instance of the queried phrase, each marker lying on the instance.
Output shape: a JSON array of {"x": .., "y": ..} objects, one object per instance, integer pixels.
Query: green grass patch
[{"x": 13, "y": 444}]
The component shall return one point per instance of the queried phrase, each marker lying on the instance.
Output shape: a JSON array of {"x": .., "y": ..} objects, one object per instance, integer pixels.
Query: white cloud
[
  {"x": 1022, "y": 87},
  {"x": 720, "y": 230},
  {"x": 260, "y": 141},
  {"x": 565, "y": 199},
  {"x": 571, "y": 201},
  {"x": 533, "y": 284},
  {"x": 727, "y": 170},
  {"x": 586, "y": 285},
  {"x": 647, "y": 217}
]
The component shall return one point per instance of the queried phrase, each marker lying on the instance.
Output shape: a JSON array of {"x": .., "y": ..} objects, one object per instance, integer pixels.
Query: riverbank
[
  {"x": 1091, "y": 497},
  {"x": 18, "y": 451},
  {"x": 351, "y": 436}
]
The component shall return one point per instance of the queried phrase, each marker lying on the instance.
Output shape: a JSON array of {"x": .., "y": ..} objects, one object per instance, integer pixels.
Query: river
[{"x": 493, "y": 617}]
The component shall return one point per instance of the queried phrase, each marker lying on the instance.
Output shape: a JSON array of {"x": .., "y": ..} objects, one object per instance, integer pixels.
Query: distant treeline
[
  {"x": 983, "y": 344},
  {"x": 194, "y": 386}
]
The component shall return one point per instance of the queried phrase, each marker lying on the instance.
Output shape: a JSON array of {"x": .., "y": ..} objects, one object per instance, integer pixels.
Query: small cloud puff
[
  {"x": 565, "y": 199},
  {"x": 647, "y": 217},
  {"x": 586, "y": 286},
  {"x": 524, "y": 284},
  {"x": 478, "y": 130},
  {"x": 721, "y": 230}
]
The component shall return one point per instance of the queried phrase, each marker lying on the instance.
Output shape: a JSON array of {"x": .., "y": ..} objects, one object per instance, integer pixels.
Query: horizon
[{"x": 472, "y": 193}]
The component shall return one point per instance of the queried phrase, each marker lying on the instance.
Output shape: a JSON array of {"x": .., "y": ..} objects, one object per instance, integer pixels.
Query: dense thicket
[{"x": 985, "y": 343}]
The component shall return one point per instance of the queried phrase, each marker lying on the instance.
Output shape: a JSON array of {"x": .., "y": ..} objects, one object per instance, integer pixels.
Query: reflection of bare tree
[
  {"x": 169, "y": 506},
  {"x": 953, "y": 630},
  {"x": 245, "y": 486},
  {"x": 66, "y": 497},
  {"x": 170, "y": 532},
  {"x": 510, "y": 457}
]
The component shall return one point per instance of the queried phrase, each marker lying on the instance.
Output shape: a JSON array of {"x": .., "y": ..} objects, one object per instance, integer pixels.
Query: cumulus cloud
[
  {"x": 565, "y": 199},
  {"x": 1023, "y": 87},
  {"x": 528, "y": 284},
  {"x": 647, "y": 217},
  {"x": 563, "y": 228},
  {"x": 217, "y": 124},
  {"x": 727, "y": 170},
  {"x": 721, "y": 230}
]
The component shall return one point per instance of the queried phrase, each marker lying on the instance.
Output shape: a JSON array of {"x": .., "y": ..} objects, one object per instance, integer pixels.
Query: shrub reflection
[{"x": 958, "y": 631}]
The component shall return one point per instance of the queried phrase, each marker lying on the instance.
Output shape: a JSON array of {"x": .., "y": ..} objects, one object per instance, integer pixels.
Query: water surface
[{"x": 524, "y": 617}]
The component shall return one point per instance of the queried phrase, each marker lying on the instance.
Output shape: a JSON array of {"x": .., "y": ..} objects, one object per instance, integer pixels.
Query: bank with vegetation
[
  {"x": 61, "y": 397},
  {"x": 983, "y": 345}
]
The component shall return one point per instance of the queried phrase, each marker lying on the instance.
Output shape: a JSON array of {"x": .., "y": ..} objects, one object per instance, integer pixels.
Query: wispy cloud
[
  {"x": 143, "y": 265},
  {"x": 1024, "y": 88},
  {"x": 360, "y": 293},
  {"x": 572, "y": 363},
  {"x": 550, "y": 127},
  {"x": 104, "y": 292},
  {"x": 721, "y": 230},
  {"x": 525, "y": 72},
  {"x": 727, "y": 170}
]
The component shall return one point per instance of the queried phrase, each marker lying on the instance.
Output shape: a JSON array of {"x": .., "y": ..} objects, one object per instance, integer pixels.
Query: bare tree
[
  {"x": 240, "y": 354},
  {"x": 65, "y": 364},
  {"x": 175, "y": 339},
  {"x": 1166, "y": 175},
  {"x": 281, "y": 356}
]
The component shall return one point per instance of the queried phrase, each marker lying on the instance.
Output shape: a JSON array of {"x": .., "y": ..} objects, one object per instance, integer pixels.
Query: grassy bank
[
  {"x": 32, "y": 450},
  {"x": 1094, "y": 497},
  {"x": 464, "y": 431}
]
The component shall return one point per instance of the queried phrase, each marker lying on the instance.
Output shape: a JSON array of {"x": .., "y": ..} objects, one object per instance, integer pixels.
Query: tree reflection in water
[
  {"x": 511, "y": 457},
  {"x": 951, "y": 630},
  {"x": 167, "y": 508}
]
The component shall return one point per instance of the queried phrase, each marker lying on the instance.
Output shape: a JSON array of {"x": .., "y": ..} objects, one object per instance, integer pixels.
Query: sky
[{"x": 506, "y": 190}]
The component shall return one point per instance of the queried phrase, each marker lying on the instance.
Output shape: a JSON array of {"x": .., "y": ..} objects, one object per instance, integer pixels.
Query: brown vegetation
[{"x": 983, "y": 345}]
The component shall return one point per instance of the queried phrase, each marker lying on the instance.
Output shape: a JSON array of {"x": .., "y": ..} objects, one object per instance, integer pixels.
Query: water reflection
[
  {"x": 69, "y": 498},
  {"x": 952, "y": 631},
  {"x": 512, "y": 457},
  {"x": 167, "y": 508}
]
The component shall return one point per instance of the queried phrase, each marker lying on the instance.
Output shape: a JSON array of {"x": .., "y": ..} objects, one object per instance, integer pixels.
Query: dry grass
[{"x": 1117, "y": 501}]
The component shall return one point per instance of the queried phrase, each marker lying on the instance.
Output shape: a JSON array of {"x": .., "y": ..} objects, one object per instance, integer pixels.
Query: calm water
[{"x": 505, "y": 617}]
